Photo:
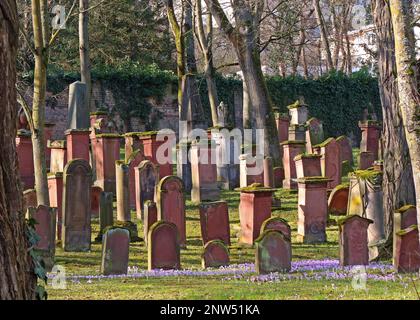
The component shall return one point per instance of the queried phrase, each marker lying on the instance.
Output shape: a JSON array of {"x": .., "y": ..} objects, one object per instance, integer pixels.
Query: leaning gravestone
[
  {"x": 353, "y": 240},
  {"x": 76, "y": 206},
  {"x": 215, "y": 255},
  {"x": 45, "y": 227},
  {"x": 171, "y": 204},
  {"x": 78, "y": 112},
  {"x": 146, "y": 180},
  {"x": 214, "y": 221},
  {"x": 115, "y": 248},
  {"x": 163, "y": 246},
  {"x": 273, "y": 253}
]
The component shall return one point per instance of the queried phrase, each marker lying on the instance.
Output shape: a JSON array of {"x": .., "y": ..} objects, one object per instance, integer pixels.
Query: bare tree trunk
[
  {"x": 405, "y": 57},
  {"x": 324, "y": 34},
  {"x": 205, "y": 44},
  {"x": 38, "y": 104},
  {"x": 85, "y": 68},
  {"x": 398, "y": 184},
  {"x": 17, "y": 280}
]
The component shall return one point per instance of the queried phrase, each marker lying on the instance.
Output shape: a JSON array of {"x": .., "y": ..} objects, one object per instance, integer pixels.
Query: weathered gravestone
[
  {"x": 146, "y": 180},
  {"x": 312, "y": 209},
  {"x": 338, "y": 200},
  {"x": 278, "y": 173},
  {"x": 254, "y": 209},
  {"x": 77, "y": 141},
  {"x": 183, "y": 165},
  {"x": 132, "y": 143},
  {"x": 163, "y": 246},
  {"x": 330, "y": 161},
  {"x": 214, "y": 221},
  {"x": 268, "y": 172},
  {"x": 279, "y": 224},
  {"x": 115, "y": 250},
  {"x": 55, "y": 191},
  {"x": 308, "y": 165},
  {"x": 273, "y": 252},
  {"x": 45, "y": 228},
  {"x": 353, "y": 240},
  {"x": 290, "y": 150},
  {"x": 404, "y": 217},
  {"x": 58, "y": 158},
  {"x": 78, "y": 110},
  {"x": 314, "y": 134},
  {"x": 76, "y": 206},
  {"x": 215, "y": 255},
  {"x": 150, "y": 217},
  {"x": 94, "y": 200},
  {"x": 133, "y": 162},
  {"x": 371, "y": 131},
  {"x": 25, "y": 157},
  {"x": 346, "y": 152},
  {"x": 29, "y": 199},
  {"x": 407, "y": 252},
  {"x": 251, "y": 169},
  {"x": 106, "y": 213},
  {"x": 366, "y": 160},
  {"x": 171, "y": 204}
]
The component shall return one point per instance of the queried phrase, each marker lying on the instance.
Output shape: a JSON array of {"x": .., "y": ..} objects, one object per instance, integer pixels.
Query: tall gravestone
[
  {"x": 115, "y": 251},
  {"x": 55, "y": 192},
  {"x": 58, "y": 155},
  {"x": 25, "y": 157},
  {"x": 106, "y": 212},
  {"x": 171, "y": 204},
  {"x": 404, "y": 217},
  {"x": 133, "y": 162},
  {"x": 183, "y": 165},
  {"x": 146, "y": 180},
  {"x": 214, "y": 221},
  {"x": 273, "y": 252},
  {"x": 78, "y": 110},
  {"x": 407, "y": 250},
  {"x": 163, "y": 246},
  {"x": 291, "y": 149},
  {"x": 314, "y": 134},
  {"x": 76, "y": 230},
  {"x": 346, "y": 151},
  {"x": 150, "y": 217},
  {"x": 330, "y": 161}
]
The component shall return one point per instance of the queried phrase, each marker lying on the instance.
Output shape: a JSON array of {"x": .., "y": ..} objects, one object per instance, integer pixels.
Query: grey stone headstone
[{"x": 78, "y": 110}]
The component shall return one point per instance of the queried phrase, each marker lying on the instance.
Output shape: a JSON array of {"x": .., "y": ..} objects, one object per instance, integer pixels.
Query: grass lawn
[{"x": 222, "y": 286}]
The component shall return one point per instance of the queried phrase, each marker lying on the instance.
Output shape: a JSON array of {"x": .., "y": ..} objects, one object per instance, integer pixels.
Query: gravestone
[
  {"x": 26, "y": 159},
  {"x": 268, "y": 172},
  {"x": 170, "y": 203},
  {"x": 314, "y": 134},
  {"x": 312, "y": 210},
  {"x": 115, "y": 251},
  {"x": 308, "y": 165},
  {"x": 278, "y": 173},
  {"x": 55, "y": 192},
  {"x": 273, "y": 253},
  {"x": 58, "y": 158},
  {"x": 298, "y": 113},
  {"x": 183, "y": 165},
  {"x": 279, "y": 224},
  {"x": 214, "y": 221},
  {"x": 106, "y": 213},
  {"x": 338, "y": 200},
  {"x": 132, "y": 143},
  {"x": 76, "y": 231},
  {"x": 346, "y": 152},
  {"x": 251, "y": 169},
  {"x": 353, "y": 240},
  {"x": 330, "y": 161},
  {"x": 133, "y": 162},
  {"x": 204, "y": 172},
  {"x": 95, "y": 195},
  {"x": 366, "y": 160},
  {"x": 146, "y": 180},
  {"x": 163, "y": 246},
  {"x": 282, "y": 123},
  {"x": 371, "y": 131},
  {"x": 254, "y": 209},
  {"x": 45, "y": 229},
  {"x": 29, "y": 199},
  {"x": 150, "y": 217},
  {"x": 123, "y": 192},
  {"x": 290, "y": 150},
  {"x": 77, "y": 142},
  {"x": 407, "y": 252},
  {"x": 215, "y": 255},
  {"x": 404, "y": 217},
  {"x": 78, "y": 110}
]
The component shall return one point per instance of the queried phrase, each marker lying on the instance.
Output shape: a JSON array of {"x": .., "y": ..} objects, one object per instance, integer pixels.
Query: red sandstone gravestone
[
  {"x": 115, "y": 251},
  {"x": 133, "y": 162},
  {"x": 29, "y": 199},
  {"x": 132, "y": 143},
  {"x": 163, "y": 246},
  {"x": 346, "y": 152},
  {"x": 273, "y": 253},
  {"x": 215, "y": 255},
  {"x": 76, "y": 230},
  {"x": 371, "y": 131},
  {"x": 94, "y": 200},
  {"x": 55, "y": 191},
  {"x": 366, "y": 160},
  {"x": 25, "y": 157},
  {"x": 58, "y": 159},
  {"x": 254, "y": 209},
  {"x": 278, "y": 173},
  {"x": 308, "y": 165},
  {"x": 338, "y": 200},
  {"x": 214, "y": 221},
  {"x": 353, "y": 240},
  {"x": 330, "y": 161},
  {"x": 314, "y": 134},
  {"x": 170, "y": 203},
  {"x": 150, "y": 217},
  {"x": 146, "y": 180},
  {"x": 290, "y": 150},
  {"x": 279, "y": 224},
  {"x": 404, "y": 217},
  {"x": 407, "y": 252},
  {"x": 249, "y": 172},
  {"x": 312, "y": 209},
  {"x": 77, "y": 141}
]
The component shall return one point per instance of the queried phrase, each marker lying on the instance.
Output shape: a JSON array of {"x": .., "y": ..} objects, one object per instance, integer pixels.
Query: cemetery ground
[{"x": 316, "y": 273}]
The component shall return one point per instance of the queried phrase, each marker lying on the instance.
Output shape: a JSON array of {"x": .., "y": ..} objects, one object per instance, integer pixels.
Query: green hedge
[{"x": 336, "y": 99}]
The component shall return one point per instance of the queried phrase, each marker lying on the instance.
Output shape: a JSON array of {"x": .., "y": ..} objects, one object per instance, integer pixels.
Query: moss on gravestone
[
  {"x": 323, "y": 144},
  {"x": 405, "y": 208},
  {"x": 256, "y": 187},
  {"x": 288, "y": 142},
  {"x": 130, "y": 226}
]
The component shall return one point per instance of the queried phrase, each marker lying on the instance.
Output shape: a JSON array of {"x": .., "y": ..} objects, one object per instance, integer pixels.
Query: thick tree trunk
[
  {"x": 85, "y": 69},
  {"x": 405, "y": 56},
  {"x": 398, "y": 184},
  {"x": 17, "y": 280},
  {"x": 38, "y": 104}
]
